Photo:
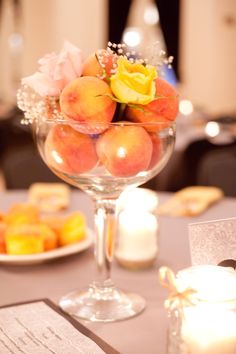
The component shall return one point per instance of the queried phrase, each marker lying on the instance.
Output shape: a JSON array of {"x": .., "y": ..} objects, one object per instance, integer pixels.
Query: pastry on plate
[
  {"x": 49, "y": 197},
  {"x": 3, "y": 227},
  {"x": 73, "y": 229},
  {"x": 22, "y": 213},
  {"x": 54, "y": 221},
  {"x": 29, "y": 239},
  {"x": 191, "y": 201},
  {"x": 23, "y": 239},
  {"x": 2, "y": 216}
]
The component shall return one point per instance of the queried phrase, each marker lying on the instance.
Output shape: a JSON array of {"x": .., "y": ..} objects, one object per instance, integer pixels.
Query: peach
[
  {"x": 86, "y": 100},
  {"x": 69, "y": 151},
  {"x": 163, "y": 109},
  {"x": 125, "y": 150},
  {"x": 100, "y": 64}
]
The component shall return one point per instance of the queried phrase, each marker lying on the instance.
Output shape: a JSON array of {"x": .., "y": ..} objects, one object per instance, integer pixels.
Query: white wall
[
  {"x": 45, "y": 25},
  {"x": 208, "y": 53}
]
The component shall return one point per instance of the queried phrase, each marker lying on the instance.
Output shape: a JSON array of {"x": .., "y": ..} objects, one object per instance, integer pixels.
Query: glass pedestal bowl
[{"x": 104, "y": 160}]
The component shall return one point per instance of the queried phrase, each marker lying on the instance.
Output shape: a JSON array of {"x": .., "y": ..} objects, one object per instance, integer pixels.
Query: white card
[
  {"x": 212, "y": 242},
  {"x": 37, "y": 328}
]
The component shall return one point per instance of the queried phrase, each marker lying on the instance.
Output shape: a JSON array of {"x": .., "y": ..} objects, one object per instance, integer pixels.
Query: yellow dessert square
[{"x": 23, "y": 239}]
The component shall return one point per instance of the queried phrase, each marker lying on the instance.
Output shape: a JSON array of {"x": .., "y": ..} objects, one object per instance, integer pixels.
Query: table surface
[{"x": 145, "y": 333}]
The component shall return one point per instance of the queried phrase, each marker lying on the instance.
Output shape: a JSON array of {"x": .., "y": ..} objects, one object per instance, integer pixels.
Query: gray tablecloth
[{"x": 145, "y": 333}]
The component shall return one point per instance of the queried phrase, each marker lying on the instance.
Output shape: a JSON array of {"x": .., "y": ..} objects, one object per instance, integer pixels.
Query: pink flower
[{"x": 55, "y": 71}]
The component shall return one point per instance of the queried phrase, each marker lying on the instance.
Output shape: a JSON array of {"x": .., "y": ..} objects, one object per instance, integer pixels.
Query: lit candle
[
  {"x": 137, "y": 229},
  {"x": 139, "y": 199},
  {"x": 138, "y": 235},
  {"x": 209, "y": 329},
  {"x": 209, "y": 317}
]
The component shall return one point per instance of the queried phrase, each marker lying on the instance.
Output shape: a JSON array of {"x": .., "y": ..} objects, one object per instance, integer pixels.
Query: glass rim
[{"x": 163, "y": 123}]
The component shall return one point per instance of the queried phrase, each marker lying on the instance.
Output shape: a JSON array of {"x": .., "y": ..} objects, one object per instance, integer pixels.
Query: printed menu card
[{"x": 40, "y": 327}]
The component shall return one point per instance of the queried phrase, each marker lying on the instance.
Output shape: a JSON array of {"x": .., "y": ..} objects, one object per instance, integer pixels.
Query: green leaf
[{"x": 112, "y": 98}]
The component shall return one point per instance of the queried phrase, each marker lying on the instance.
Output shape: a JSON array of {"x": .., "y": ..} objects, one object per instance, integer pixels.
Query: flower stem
[{"x": 122, "y": 111}]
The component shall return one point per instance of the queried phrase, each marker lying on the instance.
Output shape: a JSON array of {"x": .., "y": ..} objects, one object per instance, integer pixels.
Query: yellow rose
[{"x": 134, "y": 82}]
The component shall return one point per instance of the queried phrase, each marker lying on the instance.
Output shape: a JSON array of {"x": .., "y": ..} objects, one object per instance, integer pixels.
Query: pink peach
[
  {"x": 125, "y": 150},
  {"x": 87, "y": 100},
  {"x": 69, "y": 151}
]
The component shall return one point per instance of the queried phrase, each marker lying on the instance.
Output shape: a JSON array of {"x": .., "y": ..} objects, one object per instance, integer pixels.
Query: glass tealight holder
[
  {"x": 202, "y": 311},
  {"x": 138, "y": 229}
]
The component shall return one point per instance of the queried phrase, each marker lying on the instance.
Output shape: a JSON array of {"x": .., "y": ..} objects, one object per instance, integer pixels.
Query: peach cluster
[
  {"x": 24, "y": 231},
  {"x": 109, "y": 88}
]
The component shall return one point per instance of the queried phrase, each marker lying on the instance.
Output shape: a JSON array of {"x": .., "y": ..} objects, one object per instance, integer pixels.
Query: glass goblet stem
[
  {"x": 103, "y": 301},
  {"x": 105, "y": 227}
]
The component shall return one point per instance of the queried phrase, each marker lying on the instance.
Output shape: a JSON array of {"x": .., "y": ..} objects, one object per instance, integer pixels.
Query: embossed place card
[{"x": 213, "y": 242}]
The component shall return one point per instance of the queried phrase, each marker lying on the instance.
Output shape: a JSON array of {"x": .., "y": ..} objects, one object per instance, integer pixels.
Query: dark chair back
[{"x": 22, "y": 166}]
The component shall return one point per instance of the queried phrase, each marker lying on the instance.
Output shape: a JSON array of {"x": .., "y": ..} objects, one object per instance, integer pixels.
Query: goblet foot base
[{"x": 102, "y": 304}]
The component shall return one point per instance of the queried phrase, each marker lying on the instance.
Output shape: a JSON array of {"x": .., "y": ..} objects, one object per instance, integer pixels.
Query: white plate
[{"x": 49, "y": 255}]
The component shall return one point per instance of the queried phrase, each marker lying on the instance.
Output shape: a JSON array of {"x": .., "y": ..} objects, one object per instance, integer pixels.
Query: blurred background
[{"x": 200, "y": 35}]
